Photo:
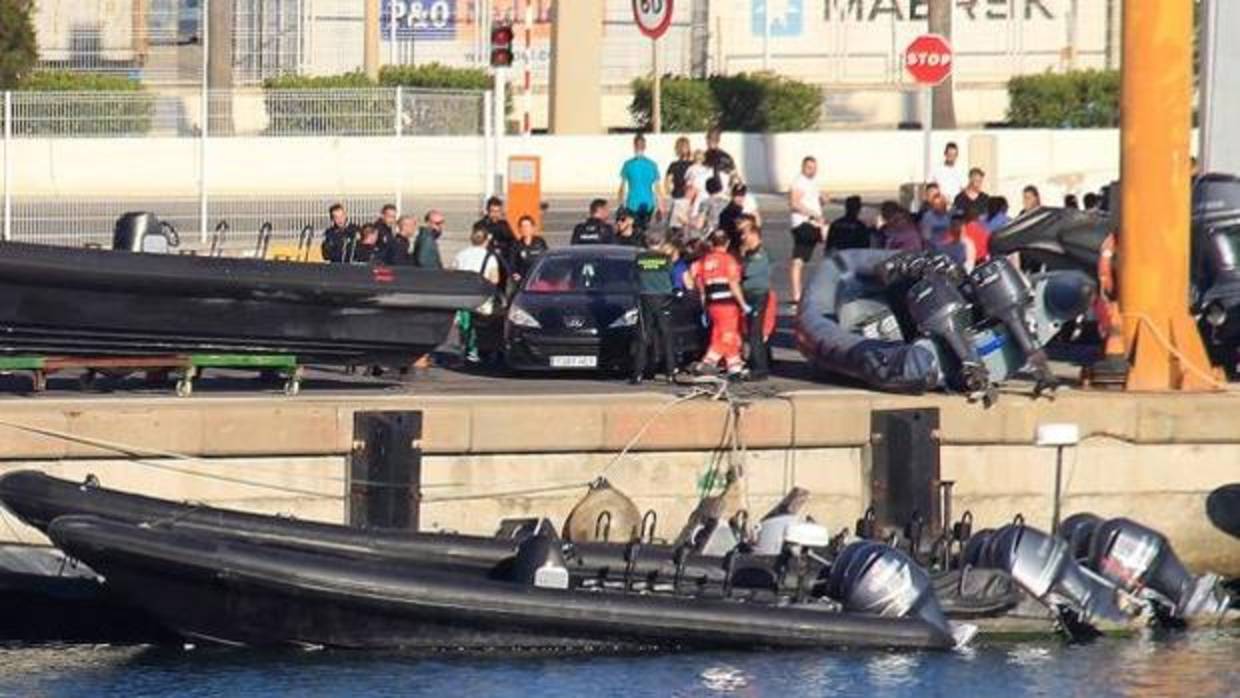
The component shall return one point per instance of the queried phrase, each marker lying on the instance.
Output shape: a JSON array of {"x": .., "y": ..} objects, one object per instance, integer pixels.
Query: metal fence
[{"x": 72, "y": 162}]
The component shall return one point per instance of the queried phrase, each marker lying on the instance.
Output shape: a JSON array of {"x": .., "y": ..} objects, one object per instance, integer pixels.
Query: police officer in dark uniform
[
  {"x": 654, "y": 327},
  {"x": 595, "y": 230},
  {"x": 756, "y": 285},
  {"x": 502, "y": 237},
  {"x": 339, "y": 237}
]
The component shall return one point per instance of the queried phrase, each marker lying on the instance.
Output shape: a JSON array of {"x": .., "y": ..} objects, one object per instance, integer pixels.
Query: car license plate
[{"x": 574, "y": 361}]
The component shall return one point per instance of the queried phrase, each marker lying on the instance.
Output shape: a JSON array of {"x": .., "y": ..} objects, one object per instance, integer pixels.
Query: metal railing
[{"x": 72, "y": 162}]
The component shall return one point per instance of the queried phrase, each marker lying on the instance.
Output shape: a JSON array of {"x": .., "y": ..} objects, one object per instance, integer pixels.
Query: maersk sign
[{"x": 918, "y": 10}]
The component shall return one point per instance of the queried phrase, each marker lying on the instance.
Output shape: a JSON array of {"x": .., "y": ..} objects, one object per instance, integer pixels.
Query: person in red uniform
[{"x": 717, "y": 276}]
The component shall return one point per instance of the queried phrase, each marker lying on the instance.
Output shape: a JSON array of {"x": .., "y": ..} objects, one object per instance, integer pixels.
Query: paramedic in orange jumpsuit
[{"x": 718, "y": 279}]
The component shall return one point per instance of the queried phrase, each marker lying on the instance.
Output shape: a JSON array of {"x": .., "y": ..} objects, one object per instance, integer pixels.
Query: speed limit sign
[{"x": 653, "y": 17}]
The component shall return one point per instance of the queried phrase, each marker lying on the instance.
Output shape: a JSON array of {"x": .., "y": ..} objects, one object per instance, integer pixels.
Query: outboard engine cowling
[
  {"x": 540, "y": 562},
  {"x": 940, "y": 311},
  {"x": 1078, "y": 530},
  {"x": 140, "y": 231},
  {"x": 1133, "y": 557},
  {"x": 1004, "y": 294},
  {"x": 1043, "y": 566},
  {"x": 869, "y": 577}
]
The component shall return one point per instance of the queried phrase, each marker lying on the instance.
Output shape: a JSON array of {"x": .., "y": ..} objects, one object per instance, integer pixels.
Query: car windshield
[{"x": 582, "y": 275}]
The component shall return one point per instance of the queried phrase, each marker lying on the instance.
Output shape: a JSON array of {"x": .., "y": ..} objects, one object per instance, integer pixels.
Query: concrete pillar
[
  {"x": 577, "y": 67},
  {"x": 1220, "y": 92},
  {"x": 220, "y": 18},
  {"x": 370, "y": 42}
]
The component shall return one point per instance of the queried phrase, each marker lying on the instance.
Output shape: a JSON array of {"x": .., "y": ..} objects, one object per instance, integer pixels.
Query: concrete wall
[
  {"x": 1059, "y": 162},
  {"x": 1151, "y": 457}
]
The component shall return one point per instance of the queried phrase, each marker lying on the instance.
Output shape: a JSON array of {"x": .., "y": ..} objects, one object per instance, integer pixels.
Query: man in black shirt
[
  {"x": 595, "y": 230},
  {"x": 339, "y": 236},
  {"x": 732, "y": 213},
  {"x": 626, "y": 230},
  {"x": 385, "y": 224},
  {"x": 496, "y": 224},
  {"x": 366, "y": 250},
  {"x": 654, "y": 326},
  {"x": 717, "y": 158},
  {"x": 400, "y": 251},
  {"x": 849, "y": 232},
  {"x": 972, "y": 196}
]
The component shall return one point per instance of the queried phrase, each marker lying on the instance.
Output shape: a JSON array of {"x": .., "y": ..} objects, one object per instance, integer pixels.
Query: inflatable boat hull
[
  {"x": 235, "y": 593},
  {"x": 86, "y": 302}
]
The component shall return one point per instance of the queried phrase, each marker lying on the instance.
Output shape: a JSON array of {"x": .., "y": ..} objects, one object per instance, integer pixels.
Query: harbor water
[{"x": 1201, "y": 664}]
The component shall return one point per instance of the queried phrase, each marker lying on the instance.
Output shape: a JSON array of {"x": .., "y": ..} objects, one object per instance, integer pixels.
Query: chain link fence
[{"x": 73, "y": 162}]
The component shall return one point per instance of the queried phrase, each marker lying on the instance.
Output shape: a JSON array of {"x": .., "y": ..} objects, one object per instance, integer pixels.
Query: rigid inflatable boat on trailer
[{"x": 59, "y": 301}]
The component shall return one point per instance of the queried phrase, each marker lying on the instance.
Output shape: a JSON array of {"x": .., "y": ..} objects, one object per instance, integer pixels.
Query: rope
[
  {"x": 140, "y": 451},
  {"x": 1162, "y": 339}
]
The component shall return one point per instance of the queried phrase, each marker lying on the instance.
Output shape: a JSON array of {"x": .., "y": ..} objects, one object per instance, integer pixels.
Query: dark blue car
[{"x": 578, "y": 310}]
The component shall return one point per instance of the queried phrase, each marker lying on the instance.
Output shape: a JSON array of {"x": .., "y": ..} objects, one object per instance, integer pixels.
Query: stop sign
[{"x": 928, "y": 59}]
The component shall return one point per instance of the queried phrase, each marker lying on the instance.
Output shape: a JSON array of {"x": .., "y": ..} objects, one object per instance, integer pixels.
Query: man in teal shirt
[{"x": 641, "y": 188}]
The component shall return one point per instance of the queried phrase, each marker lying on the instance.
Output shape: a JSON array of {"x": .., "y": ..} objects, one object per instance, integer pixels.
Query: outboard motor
[
  {"x": 869, "y": 577},
  {"x": 1043, "y": 566},
  {"x": 1003, "y": 294},
  {"x": 942, "y": 313},
  {"x": 540, "y": 562},
  {"x": 1135, "y": 557},
  {"x": 143, "y": 232},
  {"x": 1078, "y": 530}
]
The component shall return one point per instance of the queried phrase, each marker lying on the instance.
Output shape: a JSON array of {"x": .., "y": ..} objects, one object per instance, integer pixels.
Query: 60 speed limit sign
[{"x": 653, "y": 17}]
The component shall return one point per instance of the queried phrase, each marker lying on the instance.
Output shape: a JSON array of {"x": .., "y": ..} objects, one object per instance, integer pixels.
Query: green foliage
[
  {"x": 435, "y": 76},
  {"x": 759, "y": 102},
  {"x": 361, "y": 108},
  {"x": 294, "y": 108},
  {"x": 106, "y": 113},
  {"x": 1076, "y": 99},
  {"x": 19, "y": 48},
  {"x": 346, "y": 81},
  {"x": 688, "y": 104}
]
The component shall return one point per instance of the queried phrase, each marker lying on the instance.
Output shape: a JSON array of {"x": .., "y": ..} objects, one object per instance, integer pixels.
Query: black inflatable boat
[
  {"x": 56, "y": 300},
  {"x": 231, "y": 592}
]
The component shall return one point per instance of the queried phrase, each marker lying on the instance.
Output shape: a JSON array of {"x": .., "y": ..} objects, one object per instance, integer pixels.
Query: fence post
[
  {"x": 8, "y": 170},
  {"x": 488, "y": 153},
  {"x": 204, "y": 118},
  {"x": 400, "y": 128}
]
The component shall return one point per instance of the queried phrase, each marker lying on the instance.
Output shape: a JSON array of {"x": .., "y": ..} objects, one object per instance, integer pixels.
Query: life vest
[{"x": 718, "y": 270}]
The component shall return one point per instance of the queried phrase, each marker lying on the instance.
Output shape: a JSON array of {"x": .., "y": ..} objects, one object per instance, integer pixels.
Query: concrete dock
[{"x": 486, "y": 456}]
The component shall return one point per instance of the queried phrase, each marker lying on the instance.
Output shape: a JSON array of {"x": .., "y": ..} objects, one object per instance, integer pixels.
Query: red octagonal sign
[{"x": 928, "y": 59}]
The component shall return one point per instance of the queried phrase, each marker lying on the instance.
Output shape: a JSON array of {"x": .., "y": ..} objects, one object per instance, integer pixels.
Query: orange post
[
  {"x": 1163, "y": 344},
  {"x": 524, "y": 189}
]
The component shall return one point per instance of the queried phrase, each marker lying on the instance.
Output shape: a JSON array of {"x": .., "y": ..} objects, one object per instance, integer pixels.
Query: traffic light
[{"x": 501, "y": 45}]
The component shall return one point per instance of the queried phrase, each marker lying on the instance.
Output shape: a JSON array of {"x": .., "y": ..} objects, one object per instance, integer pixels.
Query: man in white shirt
[
  {"x": 479, "y": 259},
  {"x": 808, "y": 227},
  {"x": 949, "y": 176}
]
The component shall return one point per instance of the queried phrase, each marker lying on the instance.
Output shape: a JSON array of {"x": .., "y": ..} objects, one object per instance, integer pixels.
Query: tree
[
  {"x": 944, "y": 104},
  {"x": 18, "y": 48}
]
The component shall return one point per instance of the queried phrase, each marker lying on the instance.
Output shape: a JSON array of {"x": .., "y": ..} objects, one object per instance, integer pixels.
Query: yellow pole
[
  {"x": 370, "y": 39},
  {"x": 1163, "y": 343}
]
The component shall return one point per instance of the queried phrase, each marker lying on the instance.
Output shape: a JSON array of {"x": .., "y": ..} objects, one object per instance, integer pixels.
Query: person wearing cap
[
  {"x": 626, "y": 229},
  {"x": 655, "y": 294}
]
